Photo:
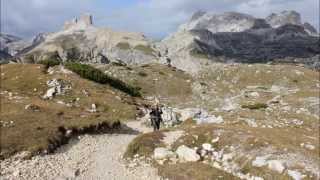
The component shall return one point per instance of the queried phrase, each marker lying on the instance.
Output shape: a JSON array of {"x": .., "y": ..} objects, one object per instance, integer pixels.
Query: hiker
[{"x": 156, "y": 118}]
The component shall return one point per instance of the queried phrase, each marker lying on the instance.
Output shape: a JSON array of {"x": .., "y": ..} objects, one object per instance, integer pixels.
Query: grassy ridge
[{"x": 91, "y": 73}]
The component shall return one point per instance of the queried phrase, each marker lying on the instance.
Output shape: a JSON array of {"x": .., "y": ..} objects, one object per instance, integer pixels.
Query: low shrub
[
  {"x": 145, "y": 49},
  {"x": 255, "y": 106},
  {"x": 49, "y": 63},
  {"x": 198, "y": 54},
  {"x": 93, "y": 74},
  {"x": 123, "y": 45},
  {"x": 142, "y": 74}
]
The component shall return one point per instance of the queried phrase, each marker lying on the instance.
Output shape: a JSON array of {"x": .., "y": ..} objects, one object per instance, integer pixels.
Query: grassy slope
[
  {"x": 32, "y": 130},
  {"x": 171, "y": 86}
]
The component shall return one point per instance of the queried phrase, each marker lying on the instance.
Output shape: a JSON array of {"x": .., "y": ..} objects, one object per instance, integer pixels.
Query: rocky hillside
[
  {"x": 12, "y": 46},
  {"x": 249, "y": 122},
  {"x": 81, "y": 41},
  {"x": 236, "y": 37}
]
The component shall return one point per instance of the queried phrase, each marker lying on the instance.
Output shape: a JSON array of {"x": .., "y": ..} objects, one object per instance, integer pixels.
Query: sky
[{"x": 154, "y": 18}]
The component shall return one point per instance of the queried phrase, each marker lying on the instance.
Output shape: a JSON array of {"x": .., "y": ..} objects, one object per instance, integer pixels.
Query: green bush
[
  {"x": 198, "y": 54},
  {"x": 123, "y": 45},
  {"x": 49, "y": 63},
  {"x": 93, "y": 74},
  {"x": 142, "y": 74},
  {"x": 145, "y": 49},
  {"x": 255, "y": 106}
]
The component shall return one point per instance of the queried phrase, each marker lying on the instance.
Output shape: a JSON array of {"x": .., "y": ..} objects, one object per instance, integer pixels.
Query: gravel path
[{"x": 88, "y": 157}]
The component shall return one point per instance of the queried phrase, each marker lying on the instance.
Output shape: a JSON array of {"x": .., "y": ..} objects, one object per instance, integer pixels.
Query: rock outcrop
[
  {"x": 84, "y": 22},
  {"x": 81, "y": 41},
  {"x": 236, "y": 37},
  {"x": 290, "y": 17}
]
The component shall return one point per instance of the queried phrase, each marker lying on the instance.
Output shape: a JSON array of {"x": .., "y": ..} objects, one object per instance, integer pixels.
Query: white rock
[
  {"x": 71, "y": 173},
  {"x": 256, "y": 178},
  {"x": 207, "y": 147},
  {"x": 187, "y": 154},
  {"x": 297, "y": 122},
  {"x": 299, "y": 72},
  {"x": 215, "y": 140},
  {"x": 216, "y": 165},
  {"x": 295, "y": 175},
  {"x": 16, "y": 173},
  {"x": 254, "y": 94},
  {"x": 309, "y": 146},
  {"x": 229, "y": 105},
  {"x": 93, "y": 108},
  {"x": 50, "y": 93},
  {"x": 227, "y": 157},
  {"x": 162, "y": 153},
  {"x": 189, "y": 113},
  {"x": 276, "y": 165},
  {"x": 260, "y": 161},
  {"x": 209, "y": 120}
]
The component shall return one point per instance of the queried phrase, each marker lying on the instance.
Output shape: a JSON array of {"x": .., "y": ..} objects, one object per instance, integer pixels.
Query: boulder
[
  {"x": 187, "y": 154},
  {"x": 162, "y": 153},
  {"x": 276, "y": 165}
]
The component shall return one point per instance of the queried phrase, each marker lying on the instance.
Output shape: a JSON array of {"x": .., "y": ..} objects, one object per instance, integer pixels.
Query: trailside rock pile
[
  {"x": 174, "y": 116},
  {"x": 56, "y": 87}
]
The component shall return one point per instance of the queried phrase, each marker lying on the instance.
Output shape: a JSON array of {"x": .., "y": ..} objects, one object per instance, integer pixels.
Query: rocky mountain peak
[
  {"x": 197, "y": 15},
  {"x": 226, "y": 22},
  {"x": 85, "y": 21},
  {"x": 284, "y": 17},
  {"x": 310, "y": 29}
]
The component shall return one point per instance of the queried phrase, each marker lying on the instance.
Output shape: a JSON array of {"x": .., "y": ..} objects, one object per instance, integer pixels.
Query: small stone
[
  {"x": 254, "y": 94},
  {"x": 16, "y": 173},
  {"x": 207, "y": 146}
]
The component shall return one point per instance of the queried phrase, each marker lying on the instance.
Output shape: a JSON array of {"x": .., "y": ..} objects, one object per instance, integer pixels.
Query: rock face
[
  {"x": 4, "y": 57},
  {"x": 283, "y": 18},
  {"x": 80, "y": 40},
  {"x": 236, "y": 37},
  {"x": 84, "y": 22},
  {"x": 12, "y": 46},
  {"x": 257, "y": 46},
  {"x": 6, "y": 43},
  {"x": 290, "y": 17},
  {"x": 6, "y": 39}
]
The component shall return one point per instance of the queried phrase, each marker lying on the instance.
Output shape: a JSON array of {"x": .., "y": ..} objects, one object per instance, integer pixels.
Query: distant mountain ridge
[
  {"x": 237, "y": 37},
  {"x": 205, "y": 38}
]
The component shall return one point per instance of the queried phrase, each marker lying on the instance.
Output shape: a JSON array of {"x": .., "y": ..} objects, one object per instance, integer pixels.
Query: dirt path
[{"x": 90, "y": 157}]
